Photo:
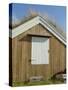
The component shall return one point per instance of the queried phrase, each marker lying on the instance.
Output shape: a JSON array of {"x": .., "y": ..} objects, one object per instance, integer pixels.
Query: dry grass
[{"x": 45, "y": 16}]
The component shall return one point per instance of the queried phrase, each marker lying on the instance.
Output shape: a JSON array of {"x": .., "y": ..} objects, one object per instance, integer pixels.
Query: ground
[{"x": 48, "y": 82}]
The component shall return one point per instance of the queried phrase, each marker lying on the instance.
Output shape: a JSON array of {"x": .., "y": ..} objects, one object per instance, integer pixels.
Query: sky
[{"x": 18, "y": 11}]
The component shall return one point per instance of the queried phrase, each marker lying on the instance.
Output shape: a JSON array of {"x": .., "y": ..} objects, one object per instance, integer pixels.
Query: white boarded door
[{"x": 40, "y": 47}]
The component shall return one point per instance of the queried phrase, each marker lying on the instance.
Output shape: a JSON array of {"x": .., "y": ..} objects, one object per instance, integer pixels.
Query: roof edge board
[
  {"x": 10, "y": 33},
  {"x": 52, "y": 28},
  {"x": 54, "y": 33},
  {"x": 18, "y": 30},
  {"x": 29, "y": 24}
]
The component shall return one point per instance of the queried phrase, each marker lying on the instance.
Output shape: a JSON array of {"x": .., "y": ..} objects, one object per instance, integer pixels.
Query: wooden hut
[{"x": 37, "y": 48}]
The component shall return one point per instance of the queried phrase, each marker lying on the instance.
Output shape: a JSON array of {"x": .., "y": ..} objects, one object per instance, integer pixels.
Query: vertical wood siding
[{"x": 22, "y": 69}]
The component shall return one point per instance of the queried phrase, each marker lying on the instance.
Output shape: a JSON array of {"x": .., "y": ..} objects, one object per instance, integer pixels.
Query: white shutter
[{"x": 40, "y": 47}]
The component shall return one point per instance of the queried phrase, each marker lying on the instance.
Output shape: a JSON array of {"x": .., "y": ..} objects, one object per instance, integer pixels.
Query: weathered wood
[
  {"x": 36, "y": 78},
  {"x": 22, "y": 69}
]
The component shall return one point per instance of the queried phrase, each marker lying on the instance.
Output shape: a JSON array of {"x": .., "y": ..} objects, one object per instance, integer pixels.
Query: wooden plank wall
[
  {"x": 22, "y": 69},
  {"x": 57, "y": 56}
]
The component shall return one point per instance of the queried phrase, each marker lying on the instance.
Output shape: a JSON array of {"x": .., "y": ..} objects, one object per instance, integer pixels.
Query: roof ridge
[
  {"x": 34, "y": 21},
  {"x": 46, "y": 18}
]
